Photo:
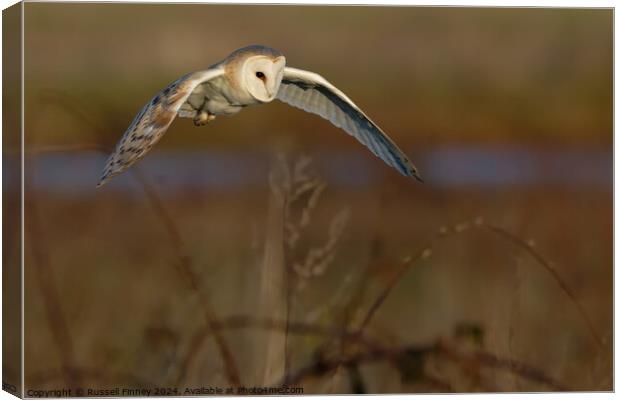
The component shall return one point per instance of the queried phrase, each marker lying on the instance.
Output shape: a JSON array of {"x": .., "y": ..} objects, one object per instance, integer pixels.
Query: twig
[
  {"x": 405, "y": 265},
  {"x": 507, "y": 364},
  {"x": 237, "y": 322},
  {"x": 322, "y": 365},
  {"x": 375, "y": 351},
  {"x": 185, "y": 270},
  {"x": 554, "y": 274},
  {"x": 184, "y": 265},
  {"x": 427, "y": 251},
  {"x": 270, "y": 350},
  {"x": 45, "y": 279},
  {"x": 288, "y": 282}
]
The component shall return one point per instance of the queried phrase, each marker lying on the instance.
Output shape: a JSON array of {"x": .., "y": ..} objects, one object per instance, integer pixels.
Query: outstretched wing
[
  {"x": 312, "y": 93},
  {"x": 153, "y": 120}
]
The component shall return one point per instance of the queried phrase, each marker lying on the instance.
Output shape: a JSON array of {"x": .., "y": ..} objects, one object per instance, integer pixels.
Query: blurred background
[{"x": 220, "y": 257}]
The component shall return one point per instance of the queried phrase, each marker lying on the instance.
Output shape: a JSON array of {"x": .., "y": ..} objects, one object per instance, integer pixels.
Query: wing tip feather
[
  {"x": 102, "y": 182},
  {"x": 104, "y": 178},
  {"x": 417, "y": 176}
]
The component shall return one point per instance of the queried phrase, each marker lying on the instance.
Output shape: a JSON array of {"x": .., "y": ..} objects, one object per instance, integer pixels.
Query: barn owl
[{"x": 249, "y": 76}]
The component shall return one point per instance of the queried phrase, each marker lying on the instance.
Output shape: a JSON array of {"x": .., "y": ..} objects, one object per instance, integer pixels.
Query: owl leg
[{"x": 202, "y": 118}]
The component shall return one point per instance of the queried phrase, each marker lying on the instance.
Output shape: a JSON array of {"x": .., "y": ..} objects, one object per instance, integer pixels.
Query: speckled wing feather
[
  {"x": 312, "y": 93},
  {"x": 152, "y": 122}
]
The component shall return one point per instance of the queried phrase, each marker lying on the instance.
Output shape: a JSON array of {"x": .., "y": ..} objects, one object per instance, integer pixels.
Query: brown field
[
  {"x": 129, "y": 310},
  {"x": 298, "y": 276}
]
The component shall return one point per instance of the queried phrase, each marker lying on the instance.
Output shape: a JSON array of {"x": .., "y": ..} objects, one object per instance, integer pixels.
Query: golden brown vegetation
[{"x": 386, "y": 287}]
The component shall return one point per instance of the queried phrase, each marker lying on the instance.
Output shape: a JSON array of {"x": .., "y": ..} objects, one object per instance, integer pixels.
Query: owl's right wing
[
  {"x": 153, "y": 121},
  {"x": 313, "y": 93}
]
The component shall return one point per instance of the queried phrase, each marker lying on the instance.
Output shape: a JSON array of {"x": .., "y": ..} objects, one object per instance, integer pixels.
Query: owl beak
[
  {"x": 277, "y": 68},
  {"x": 272, "y": 97}
]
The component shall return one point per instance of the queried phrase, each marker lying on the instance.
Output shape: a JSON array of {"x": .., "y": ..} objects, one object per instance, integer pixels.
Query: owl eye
[{"x": 260, "y": 75}]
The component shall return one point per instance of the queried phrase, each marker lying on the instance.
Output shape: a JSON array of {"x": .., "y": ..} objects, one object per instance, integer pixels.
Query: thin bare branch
[
  {"x": 184, "y": 261},
  {"x": 184, "y": 267},
  {"x": 427, "y": 250},
  {"x": 554, "y": 274},
  {"x": 46, "y": 282},
  {"x": 322, "y": 365}
]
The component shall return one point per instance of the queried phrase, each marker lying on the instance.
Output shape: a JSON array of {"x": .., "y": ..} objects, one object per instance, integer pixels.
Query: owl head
[{"x": 258, "y": 70}]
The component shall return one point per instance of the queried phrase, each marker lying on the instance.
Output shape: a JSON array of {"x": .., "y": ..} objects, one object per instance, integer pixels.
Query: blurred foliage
[
  {"x": 427, "y": 75},
  {"x": 431, "y": 77}
]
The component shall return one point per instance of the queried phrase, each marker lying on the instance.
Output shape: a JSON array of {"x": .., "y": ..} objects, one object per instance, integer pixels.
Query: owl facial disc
[{"x": 262, "y": 76}]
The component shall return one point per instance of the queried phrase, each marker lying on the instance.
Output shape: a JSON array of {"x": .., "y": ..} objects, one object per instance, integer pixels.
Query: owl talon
[{"x": 203, "y": 118}]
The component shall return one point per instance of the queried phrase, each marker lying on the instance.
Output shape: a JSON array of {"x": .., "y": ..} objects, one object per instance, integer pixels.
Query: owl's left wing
[
  {"x": 313, "y": 93},
  {"x": 153, "y": 121}
]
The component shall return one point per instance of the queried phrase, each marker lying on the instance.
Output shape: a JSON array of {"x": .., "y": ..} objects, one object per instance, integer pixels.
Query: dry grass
[
  {"x": 290, "y": 263},
  {"x": 302, "y": 283},
  {"x": 478, "y": 223}
]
